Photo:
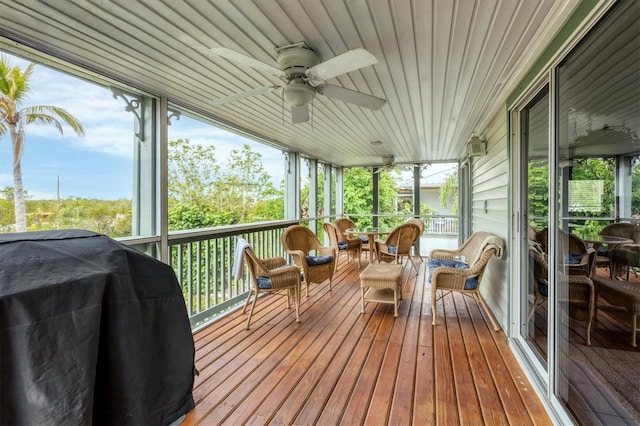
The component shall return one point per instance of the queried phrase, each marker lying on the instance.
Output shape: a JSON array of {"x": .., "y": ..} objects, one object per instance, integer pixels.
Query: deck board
[{"x": 338, "y": 366}]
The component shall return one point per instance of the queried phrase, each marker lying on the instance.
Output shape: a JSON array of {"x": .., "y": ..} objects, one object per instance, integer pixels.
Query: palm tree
[
  {"x": 14, "y": 87},
  {"x": 449, "y": 192}
]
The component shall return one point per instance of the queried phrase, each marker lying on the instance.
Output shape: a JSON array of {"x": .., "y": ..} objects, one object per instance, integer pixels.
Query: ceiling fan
[
  {"x": 303, "y": 75},
  {"x": 389, "y": 164}
]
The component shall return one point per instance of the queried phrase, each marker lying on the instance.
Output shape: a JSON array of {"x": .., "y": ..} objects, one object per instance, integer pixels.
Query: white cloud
[
  {"x": 108, "y": 127},
  {"x": 224, "y": 142}
]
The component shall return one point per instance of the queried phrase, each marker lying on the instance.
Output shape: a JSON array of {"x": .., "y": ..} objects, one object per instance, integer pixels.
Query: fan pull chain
[{"x": 282, "y": 99}]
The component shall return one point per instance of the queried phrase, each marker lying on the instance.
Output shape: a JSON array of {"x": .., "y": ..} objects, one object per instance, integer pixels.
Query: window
[
  {"x": 218, "y": 178},
  {"x": 81, "y": 181}
]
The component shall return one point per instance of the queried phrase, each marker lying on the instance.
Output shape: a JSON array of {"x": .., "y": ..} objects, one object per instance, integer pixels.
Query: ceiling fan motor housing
[{"x": 295, "y": 59}]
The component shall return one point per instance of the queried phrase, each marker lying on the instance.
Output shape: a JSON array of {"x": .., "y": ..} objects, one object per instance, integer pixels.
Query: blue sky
[{"x": 98, "y": 164}]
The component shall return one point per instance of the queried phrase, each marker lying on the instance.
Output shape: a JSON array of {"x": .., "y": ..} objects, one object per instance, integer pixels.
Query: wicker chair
[
  {"x": 578, "y": 296},
  {"x": 351, "y": 247},
  {"x": 539, "y": 279},
  {"x": 420, "y": 224},
  {"x": 577, "y": 293},
  {"x": 576, "y": 289},
  {"x": 623, "y": 258},
  {"x": 398, "y": 244},
  {"x": 624, "y": 230},
  {"x": 577, "y": 258},
  {"x": 344, "y": 223},
  {"x": 271, "y": 275},
  {"x": 448, "y": 274},
  {"x": 300, "y": 242}
]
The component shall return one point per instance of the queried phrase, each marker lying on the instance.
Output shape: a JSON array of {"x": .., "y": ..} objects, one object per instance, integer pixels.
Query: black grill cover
[{"x": 92, "y": 332}]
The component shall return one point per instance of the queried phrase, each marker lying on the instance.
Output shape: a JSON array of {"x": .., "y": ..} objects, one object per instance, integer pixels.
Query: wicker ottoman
[
  {"x": 625, "y": 296},
  {"x": 381, "y": 283}
]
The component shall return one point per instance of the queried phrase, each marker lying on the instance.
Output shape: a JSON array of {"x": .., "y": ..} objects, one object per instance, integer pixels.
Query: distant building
[{"x": 433, "y": 177}]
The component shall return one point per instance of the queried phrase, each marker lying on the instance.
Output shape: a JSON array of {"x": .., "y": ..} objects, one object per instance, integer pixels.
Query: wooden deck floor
[{"x": 338, "y": 366}]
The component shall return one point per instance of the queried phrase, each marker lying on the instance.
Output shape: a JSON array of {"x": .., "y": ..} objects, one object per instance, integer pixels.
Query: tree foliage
[
  {"x": 204, "y": 193},
  {"x": 635, "y": 186},
  {"x": 358, "y": 198},
  {"x": 583, "y": 169},
  {"x": 193, "y": 170},
  {"x": 538, "y": 193},
  {"x": 245, "y": 187},
  {"x": 449, "y": 192},
  {"x": 358, "y": 194},
  {"x": 109, "y": 217}
]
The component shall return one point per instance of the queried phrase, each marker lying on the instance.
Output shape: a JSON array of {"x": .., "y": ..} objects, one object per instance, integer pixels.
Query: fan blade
[
  {"x": 299, "y": 114},
  {"x": 348, "y": 61},
  {"x": 241, "y": 59},
  {"x": 351, "y": 96},
  {"x": 247, "y": 94}
]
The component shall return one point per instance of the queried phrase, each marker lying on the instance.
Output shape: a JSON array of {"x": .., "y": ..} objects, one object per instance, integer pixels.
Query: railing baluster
[
  {"x": 198, "y": 275},
  {"x": 207, "y": 276},
  {"x": 216, "y": 290}
]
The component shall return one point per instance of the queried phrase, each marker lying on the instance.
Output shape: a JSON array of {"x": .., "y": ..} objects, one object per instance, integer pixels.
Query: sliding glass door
[
  {"x": 534, "y": 200},
  {"x": 576, "y": 174}
]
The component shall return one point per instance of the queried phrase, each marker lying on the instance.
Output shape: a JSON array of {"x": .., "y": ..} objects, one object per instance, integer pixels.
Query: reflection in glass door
[{"x": 534, "y": 137}]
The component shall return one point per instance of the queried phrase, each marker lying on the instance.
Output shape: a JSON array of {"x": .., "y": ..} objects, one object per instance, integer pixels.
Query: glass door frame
[{"x": 542, "y": 375}]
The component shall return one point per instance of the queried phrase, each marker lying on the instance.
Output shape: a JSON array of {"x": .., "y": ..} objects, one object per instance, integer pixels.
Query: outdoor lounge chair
[
  {"x": 448, "y": 272},
  {"x": 420, "y": 224},
  {"x": 623, "y": 230},
  {"x": 398, "y": 244},
  {"x": 577, "y": 258},
  {"x": 271, "y": 275},
  {"x": 576, "y": 290},
  {"x": 344, "y": 223},
  {"x": 539, "y": 279},
  {"x": 316, "y": 261},
  {"x": 351, "y": 247}
]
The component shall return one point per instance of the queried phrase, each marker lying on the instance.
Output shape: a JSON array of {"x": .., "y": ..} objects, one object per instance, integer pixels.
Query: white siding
[{"x": 489, "y": 210}]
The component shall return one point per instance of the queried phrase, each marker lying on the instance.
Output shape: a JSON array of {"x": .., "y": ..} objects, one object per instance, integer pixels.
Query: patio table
[{"x": 372, "y": 233}]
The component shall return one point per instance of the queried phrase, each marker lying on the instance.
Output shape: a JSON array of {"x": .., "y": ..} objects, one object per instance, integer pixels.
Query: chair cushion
[
  {"x": 434, "y": 263},
  {"x": 572, "y": 259},
  {"x": 264, "y": 282},
  {"x": 391, "y": 249},
  {"x": 603, "y": 251},
  {"x": 469, "y": 284},
  {"x": 342, "y": 245},
  {"x": 364, "y": 238},
  {"x": 318, "y": 260},
  {"x": 543, "y": 288}
]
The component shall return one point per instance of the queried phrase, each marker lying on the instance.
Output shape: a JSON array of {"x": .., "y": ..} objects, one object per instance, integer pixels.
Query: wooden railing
[
  {"x": 203, "y": 262},
  {"x": 434, "y": 224},
  {"x": 442, "y": 225}
]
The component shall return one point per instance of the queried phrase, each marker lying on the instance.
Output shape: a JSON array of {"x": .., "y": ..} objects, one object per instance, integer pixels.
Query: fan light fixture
[
  {"x": 298, "y": 94},
  {"x": 303, "y": 74}
]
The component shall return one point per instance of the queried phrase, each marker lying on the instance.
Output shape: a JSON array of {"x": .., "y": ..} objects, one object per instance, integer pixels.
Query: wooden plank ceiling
[{"x": 444, "y": 65}]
